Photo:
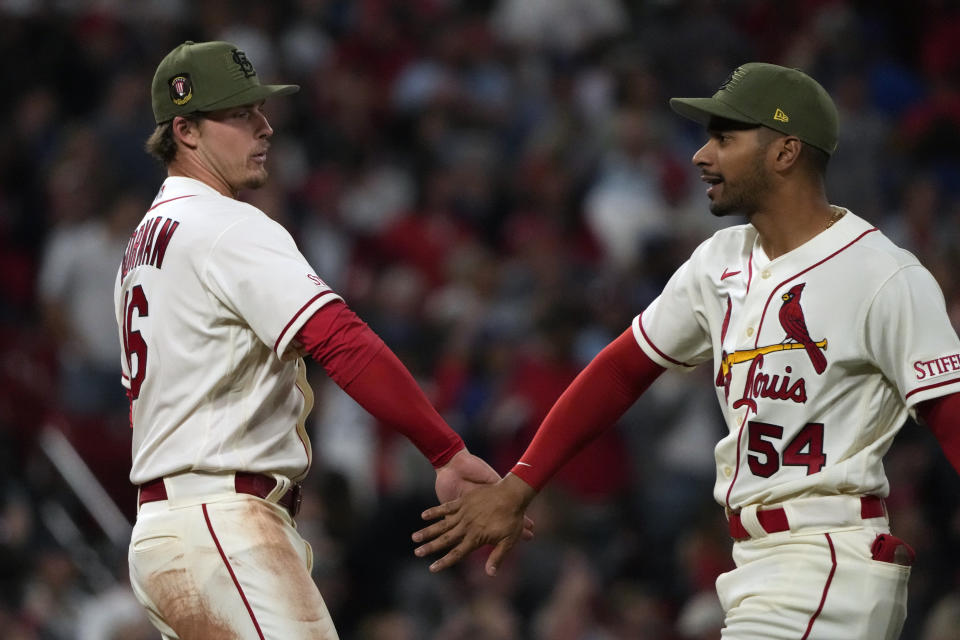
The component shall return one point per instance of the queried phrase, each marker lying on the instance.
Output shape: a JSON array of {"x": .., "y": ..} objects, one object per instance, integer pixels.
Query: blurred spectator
[
  {"x": 641, "y": 612},
  {"x": 119, "y": 126},
  {"x": 426, "y": 237},
  {"x": 80, "y": 261},
  {"x": 701, "y": 617},
  {"x": 326, "y": 242},
  {"x": 114, "y": 614},
  {"x": 484, "y": 617},
  {"x": 570, "y": 613},
  {"x": 913, "y": 224},
  {"x": 558, "y": 26},
  {"x": 629, "y": 203},
  {"x": 52, "y": 595},
  {"x": 856, "y": 169},
  {"x": 375, "y": 194}
]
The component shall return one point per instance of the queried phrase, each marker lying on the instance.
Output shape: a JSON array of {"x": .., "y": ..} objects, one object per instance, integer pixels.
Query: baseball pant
[
  {"x": 814, "y": 585},
  {"x": 225, "y": 565}
]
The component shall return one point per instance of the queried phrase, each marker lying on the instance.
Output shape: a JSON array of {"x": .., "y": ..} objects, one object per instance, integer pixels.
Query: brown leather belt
[
  {"x": 254, "y": 484},
  {"x": 775, "y": 520}
]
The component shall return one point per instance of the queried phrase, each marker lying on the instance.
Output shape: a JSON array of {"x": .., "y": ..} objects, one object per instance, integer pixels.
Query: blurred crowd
[{"x": 497, "y": 187}]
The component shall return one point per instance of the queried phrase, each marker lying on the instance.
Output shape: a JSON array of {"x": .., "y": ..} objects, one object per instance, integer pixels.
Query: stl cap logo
[
  {"x": 181, "y": 89},
  {"x": 735, "y": 76},
  {"x": 245, "y": 65},
  {"x": 781, "y": 116}
]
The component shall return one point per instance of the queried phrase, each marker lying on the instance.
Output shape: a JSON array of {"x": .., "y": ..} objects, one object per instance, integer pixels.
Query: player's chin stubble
[
  {"x": 256, "y": 179},
  {"x": 741, "y": 196}
]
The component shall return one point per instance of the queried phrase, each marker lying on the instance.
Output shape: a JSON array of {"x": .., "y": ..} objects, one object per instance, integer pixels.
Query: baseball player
[
  {"x": 216, "y": 307},
  {"x": 823, "y": 336}
]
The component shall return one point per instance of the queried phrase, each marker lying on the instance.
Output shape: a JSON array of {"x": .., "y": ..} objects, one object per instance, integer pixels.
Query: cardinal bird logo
[{"x": 791, "y": 319}]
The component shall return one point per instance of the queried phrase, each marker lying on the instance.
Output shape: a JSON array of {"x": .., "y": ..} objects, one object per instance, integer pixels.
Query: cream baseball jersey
[
  {"x": 818, "y": 354},
  {"x": 209, "y": 286}
]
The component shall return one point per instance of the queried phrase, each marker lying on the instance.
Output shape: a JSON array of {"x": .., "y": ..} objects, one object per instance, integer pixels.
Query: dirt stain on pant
[
  {"x": 274, "y": 553},
  {"x": 185, "y": 608},
  {"x": 264, "y": 570}
]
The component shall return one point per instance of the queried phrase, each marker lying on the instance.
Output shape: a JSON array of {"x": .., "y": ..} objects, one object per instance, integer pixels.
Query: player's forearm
[
  {"x": 942, "y": 417},
  {"x": 387, "y": 390},
  {"x": 594, "y": 401},
  {"x": 362, "y": 365}
]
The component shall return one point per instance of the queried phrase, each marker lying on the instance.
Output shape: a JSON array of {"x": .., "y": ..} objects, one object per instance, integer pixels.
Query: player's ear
[
  {"x": 788, "y": 150},
  {"x": 186, "y": 130}
]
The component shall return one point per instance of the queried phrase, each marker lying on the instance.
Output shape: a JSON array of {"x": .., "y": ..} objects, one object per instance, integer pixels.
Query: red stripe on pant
[
  {"x": 826, "y": 587},
  {"x": 236, "y": 582}
]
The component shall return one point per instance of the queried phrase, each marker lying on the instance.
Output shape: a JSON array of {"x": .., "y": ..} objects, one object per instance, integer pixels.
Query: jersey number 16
[{"x": 133, "y": 343}]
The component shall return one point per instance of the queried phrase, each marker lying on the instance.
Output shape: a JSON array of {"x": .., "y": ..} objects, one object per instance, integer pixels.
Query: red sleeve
[
  {"x": 942, "y": 417},
  {"x": 595, "y": 400},
  {"x": 362, "y": 365}
]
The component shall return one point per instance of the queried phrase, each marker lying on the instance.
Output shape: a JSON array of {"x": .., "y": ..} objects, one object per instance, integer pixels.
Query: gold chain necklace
[{"x": 839, "y": 213}]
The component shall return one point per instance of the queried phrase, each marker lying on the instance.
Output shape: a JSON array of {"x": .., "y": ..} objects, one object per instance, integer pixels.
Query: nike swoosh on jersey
[{"x": 727, "y": 274}]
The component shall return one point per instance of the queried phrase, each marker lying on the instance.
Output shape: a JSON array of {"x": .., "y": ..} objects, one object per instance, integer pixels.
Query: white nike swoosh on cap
[{"x": 523, "y": 463}]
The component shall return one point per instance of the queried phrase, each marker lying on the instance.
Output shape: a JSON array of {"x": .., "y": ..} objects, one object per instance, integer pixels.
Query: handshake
[{"x": 478, "y": 508}]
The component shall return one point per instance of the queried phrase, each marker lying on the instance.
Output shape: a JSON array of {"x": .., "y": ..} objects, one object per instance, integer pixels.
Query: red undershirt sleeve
[
  {"x": 942, "y": 417},
  {"x": 362, "y": 365},
  {"x": 594, "y": 401}
]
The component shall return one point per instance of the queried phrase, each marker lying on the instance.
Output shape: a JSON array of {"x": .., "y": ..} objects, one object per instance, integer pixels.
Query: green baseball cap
[
  {"x": 204, "y": 76},
  {"x": 783, "y": 99}
]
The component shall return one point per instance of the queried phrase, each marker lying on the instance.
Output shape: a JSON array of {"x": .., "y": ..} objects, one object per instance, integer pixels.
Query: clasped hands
[{"x": 484, "y": 514}]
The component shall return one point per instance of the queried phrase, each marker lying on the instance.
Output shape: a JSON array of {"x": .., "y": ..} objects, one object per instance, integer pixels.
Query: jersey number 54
[{"x": 805, "y": 450}]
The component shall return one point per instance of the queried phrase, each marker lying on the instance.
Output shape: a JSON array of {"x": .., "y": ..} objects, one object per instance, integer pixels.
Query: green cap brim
[
  {"x": 703, "y": 109},
  {"x": 251, "y": 95}
]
